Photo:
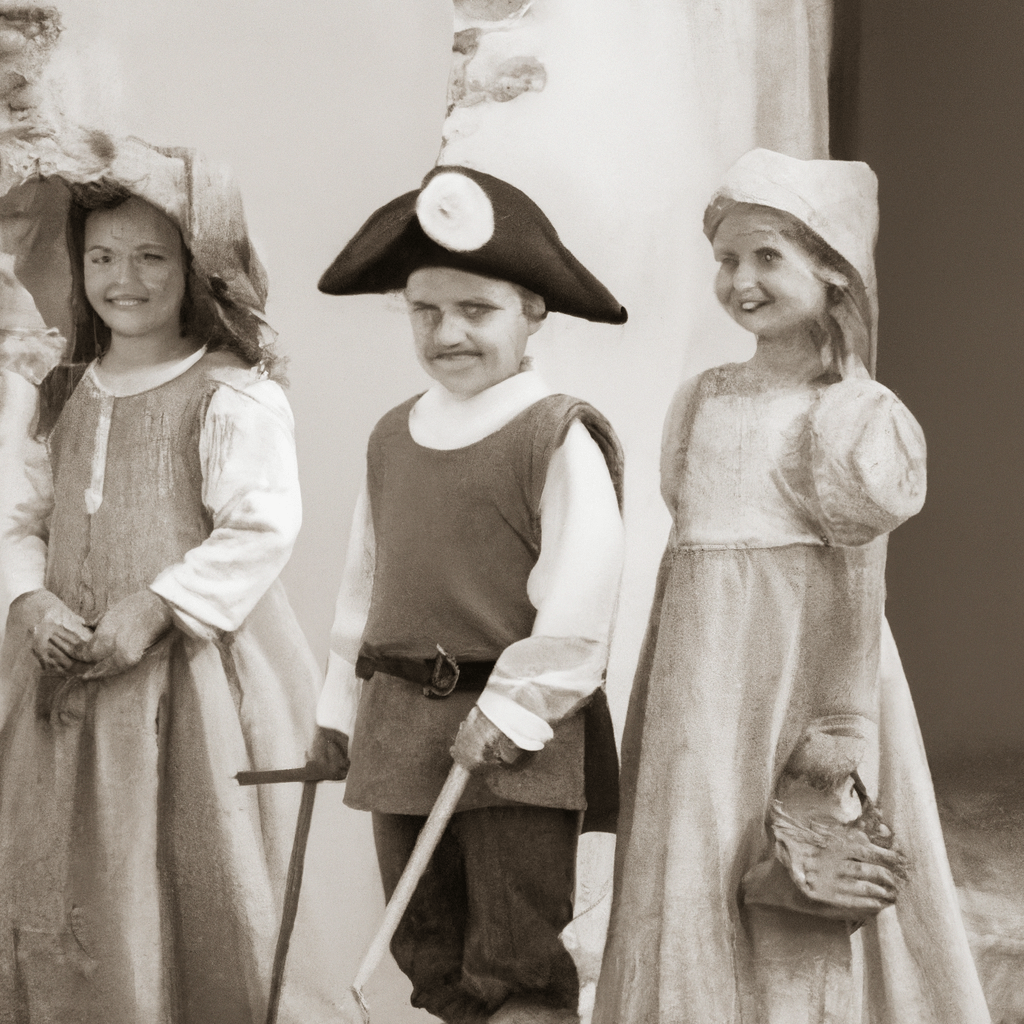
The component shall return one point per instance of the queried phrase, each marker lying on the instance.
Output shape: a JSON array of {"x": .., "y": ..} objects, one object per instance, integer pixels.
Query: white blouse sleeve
[
  {"x": 574, "y": 586},
  {"x": 868, "y": 460},
  {"x": 339, "y": 698},
  {"x": 27, "y": 492},
  {"x": 251, "y": 490}
]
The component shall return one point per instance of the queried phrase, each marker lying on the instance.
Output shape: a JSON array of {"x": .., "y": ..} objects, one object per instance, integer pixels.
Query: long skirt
[
  {"x": 735, "y": 646},
  {"x": 139, "y": 883}
]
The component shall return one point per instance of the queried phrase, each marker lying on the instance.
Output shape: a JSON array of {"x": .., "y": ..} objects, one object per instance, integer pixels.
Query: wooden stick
[
  {"x": 426, "y": 843},
  {"x": 309, "y": 773},
  {"x": 291, "y": 896}
]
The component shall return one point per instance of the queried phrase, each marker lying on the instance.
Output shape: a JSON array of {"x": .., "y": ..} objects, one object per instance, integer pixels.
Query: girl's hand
[
  {"x": 835, "y": 856},
  {"x": 859, "y": 877},
  {"x": 124, "y": 634},
  {"x": 57, "y": 634}
]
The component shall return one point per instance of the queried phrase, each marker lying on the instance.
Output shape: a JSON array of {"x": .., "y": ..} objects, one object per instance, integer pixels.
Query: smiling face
[
  {"x": 134, "y": 271},
  {"x": 470, "y": 331},
  {"x": 768, "y": 283}
]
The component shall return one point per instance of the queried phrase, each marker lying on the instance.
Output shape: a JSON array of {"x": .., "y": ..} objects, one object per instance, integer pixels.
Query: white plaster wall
[{"x": 644, "y": 107}]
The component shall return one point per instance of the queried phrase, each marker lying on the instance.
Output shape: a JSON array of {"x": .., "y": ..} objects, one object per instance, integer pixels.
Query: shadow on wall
[{"x": 936, "y": 83}]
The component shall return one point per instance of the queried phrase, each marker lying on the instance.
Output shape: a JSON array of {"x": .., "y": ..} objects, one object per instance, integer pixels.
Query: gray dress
[
  {"x": 769, "y": 620},
  {"x": 139, "y": 884}
]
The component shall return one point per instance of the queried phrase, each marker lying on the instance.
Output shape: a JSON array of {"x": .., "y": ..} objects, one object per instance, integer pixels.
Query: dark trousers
[{"x": 484, "y": 921}]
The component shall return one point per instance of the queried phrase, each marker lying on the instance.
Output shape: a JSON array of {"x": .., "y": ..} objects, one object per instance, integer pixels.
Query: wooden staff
[
  {"x": 309, "y": 777},
  {"x": 426, "y": 843}
]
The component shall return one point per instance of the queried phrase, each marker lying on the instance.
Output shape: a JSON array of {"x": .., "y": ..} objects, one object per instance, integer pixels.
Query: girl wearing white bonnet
[{"x": 780, "y": 858}]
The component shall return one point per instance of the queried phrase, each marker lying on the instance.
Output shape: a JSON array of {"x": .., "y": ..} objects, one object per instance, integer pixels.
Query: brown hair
[
  {"x": 207, "y": 313},
  {"x": 534, "y": 307}
]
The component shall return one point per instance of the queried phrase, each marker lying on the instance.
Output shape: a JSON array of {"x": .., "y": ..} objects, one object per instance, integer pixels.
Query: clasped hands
[{"x": 63, "y": 643}]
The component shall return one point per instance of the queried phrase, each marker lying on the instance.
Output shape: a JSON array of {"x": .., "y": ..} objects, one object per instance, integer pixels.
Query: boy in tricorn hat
[{"x": 488, "y": 538}]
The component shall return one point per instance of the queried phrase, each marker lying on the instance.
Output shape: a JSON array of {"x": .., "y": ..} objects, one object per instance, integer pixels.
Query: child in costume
[
  {"x": 477, "y": 601},
  {"x": 151, "y": 652},
  {"x": 780, "y": 858}
]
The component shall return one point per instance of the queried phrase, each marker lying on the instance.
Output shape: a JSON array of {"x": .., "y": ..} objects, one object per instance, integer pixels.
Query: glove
[
  {"x": 124, "y": 634},
  {"x": 56, "y": 633},
  {"x": 329, "y": 753},
  {"x": 480, "y": 744}
]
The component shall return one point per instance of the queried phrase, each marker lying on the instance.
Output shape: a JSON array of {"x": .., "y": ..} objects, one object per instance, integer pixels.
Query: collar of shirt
[
  {"x": 443, "y": 420},
  {"x": 147, "y": 378}
]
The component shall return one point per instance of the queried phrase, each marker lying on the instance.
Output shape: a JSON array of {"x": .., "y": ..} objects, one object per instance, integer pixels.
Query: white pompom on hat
[{"x": 455, "y": 212}]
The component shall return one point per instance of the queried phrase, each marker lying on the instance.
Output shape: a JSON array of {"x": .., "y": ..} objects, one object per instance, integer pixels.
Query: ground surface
[{"x": 981, "y": 802}]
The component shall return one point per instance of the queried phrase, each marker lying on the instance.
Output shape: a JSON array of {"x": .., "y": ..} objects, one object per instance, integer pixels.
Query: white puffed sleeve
[
  {"x": 251, "y": 490},
  {"x": 27, "y": 500},
  {"x": 868, "y": 460},
  {"x": 339, "y": 698},
  {"x": 574, "y": 586}
]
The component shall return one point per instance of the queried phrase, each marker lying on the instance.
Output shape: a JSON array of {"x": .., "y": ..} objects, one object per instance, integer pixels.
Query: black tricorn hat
[{"x": 475, "y": 222}]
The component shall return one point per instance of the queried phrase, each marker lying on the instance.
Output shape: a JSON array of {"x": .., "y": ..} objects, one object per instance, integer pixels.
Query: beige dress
[
  {"x": 139, "y": 884},
  {"x": 769, "y": 618}
]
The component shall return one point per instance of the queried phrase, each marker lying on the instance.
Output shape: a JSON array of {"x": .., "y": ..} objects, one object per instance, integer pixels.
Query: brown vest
[
  {"x": 457, "y": 534},
  {"x": 152, "y": 510}
]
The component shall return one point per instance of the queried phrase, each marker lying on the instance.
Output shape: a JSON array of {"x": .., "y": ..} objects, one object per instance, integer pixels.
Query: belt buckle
[{"x": 443, "y": 676}]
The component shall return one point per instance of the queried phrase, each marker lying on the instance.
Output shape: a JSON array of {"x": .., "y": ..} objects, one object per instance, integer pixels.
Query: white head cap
[{"x": 836, "y": 199}]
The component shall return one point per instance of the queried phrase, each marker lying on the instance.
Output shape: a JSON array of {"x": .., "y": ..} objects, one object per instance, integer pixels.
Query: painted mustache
[{"x": 448, "y": 353}]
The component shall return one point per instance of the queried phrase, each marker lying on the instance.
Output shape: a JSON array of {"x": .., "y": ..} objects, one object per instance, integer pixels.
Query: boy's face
[{"x": 470, "y": 331}]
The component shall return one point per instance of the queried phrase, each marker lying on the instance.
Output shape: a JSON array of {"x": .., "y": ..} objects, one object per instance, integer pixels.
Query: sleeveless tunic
[
  {"x": 138, "y": 883},
  {"x": 457, "y": 534}
]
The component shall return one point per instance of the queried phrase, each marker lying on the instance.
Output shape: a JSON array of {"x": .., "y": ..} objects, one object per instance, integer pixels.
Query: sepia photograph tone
[{"x": 509, "y": 512}]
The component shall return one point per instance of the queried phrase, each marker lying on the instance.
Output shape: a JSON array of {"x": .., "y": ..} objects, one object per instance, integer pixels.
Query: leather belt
[{"x": 439, "y": 676}]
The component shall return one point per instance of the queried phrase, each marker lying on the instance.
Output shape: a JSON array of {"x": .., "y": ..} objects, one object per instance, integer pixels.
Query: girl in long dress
[
  {"x": 152, "y": 652},
  {"x": 779, "y": 858}
]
